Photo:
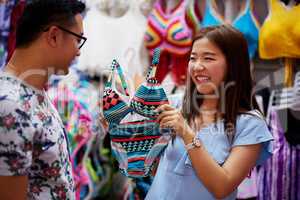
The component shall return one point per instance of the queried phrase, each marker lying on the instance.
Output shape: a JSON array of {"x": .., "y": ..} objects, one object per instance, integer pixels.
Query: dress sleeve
[
  {"x": 254, "y": 130},
  {"x": 16, "y": 139}
]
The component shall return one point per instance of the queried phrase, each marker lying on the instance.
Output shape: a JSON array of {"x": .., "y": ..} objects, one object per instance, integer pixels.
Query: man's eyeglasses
[{"x": 81, "y": 39}]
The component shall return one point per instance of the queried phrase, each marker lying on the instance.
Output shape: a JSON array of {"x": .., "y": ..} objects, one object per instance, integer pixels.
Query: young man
[{"x": 34, "y": 156}]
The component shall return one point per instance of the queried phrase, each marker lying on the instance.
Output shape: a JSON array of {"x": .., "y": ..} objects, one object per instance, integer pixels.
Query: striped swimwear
[
  {"x": 137, "y": 144},
  {"x": 279, "y": 178}
]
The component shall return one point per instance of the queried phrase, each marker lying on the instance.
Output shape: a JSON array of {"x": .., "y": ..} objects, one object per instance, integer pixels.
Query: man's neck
[{"x": 27, "y": 66}]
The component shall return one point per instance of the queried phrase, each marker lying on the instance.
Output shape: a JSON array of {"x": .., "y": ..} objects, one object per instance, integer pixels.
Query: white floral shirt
[{"x": 33, "y": 141}]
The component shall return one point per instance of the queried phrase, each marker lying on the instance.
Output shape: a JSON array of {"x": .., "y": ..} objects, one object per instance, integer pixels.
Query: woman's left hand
[{"x": 170, "y": 117}]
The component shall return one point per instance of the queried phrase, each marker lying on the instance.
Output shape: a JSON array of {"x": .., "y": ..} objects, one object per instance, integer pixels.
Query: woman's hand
[
  {"x": 103, "y": 122},
  {"x": 170, "y": 117}
]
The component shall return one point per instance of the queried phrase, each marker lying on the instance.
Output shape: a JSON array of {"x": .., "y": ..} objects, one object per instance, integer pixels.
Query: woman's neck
[
  {"x": 209, "y": 105},
  {"x": 208, "y": 113}
]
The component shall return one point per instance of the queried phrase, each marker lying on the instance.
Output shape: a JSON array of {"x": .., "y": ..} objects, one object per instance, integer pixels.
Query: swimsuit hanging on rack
[{"x": 245, "y": 22}]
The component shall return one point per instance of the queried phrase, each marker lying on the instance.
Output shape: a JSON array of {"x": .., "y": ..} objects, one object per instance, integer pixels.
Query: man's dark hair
[{"x": 40, "y": 14}]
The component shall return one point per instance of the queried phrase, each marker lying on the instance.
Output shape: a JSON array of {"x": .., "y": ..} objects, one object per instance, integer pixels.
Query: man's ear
[{"x": 53, "y": 36}]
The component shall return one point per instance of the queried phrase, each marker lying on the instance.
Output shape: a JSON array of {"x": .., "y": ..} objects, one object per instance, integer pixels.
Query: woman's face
[{"x": 207, "y": 66}]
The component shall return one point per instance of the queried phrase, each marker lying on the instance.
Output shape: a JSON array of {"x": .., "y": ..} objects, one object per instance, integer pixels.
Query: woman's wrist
[{"x": 188, "y": 135}]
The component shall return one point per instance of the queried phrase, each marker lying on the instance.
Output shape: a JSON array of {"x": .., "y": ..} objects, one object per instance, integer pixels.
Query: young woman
[{"x": 219, "y": 134}]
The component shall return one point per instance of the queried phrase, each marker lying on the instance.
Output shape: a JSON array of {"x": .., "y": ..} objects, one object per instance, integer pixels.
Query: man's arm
[
  {"x": 16, "y": 149},
  {"x": 13, "y": 187}
]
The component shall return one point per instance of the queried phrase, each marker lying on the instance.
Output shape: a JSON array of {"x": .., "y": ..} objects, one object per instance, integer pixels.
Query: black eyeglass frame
[{"x": 72, "y": 33}]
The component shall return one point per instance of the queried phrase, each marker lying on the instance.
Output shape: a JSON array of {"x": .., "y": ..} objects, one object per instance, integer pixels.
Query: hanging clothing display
[
  {"x": 113, "y": 37},
  {"x": 81, "y": 124},
  {"x": 170, "y": 32},
  {"x": 278, "y": 178},
  {"x": 193, "y": 16},
  {"x": 5, "y": 22},
  {"x": 15, "y": 16},
  {"x": 280, "y": 34},
  {"x": 245, "y": 22},
  {"x": 78, "y": 122}
]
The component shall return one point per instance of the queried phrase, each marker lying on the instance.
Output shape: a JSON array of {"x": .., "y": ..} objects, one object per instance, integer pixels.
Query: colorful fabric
[
  {"x": 245, "y": 22},
  {"x": 147, "y": 98},
  {"x": 193, "y": 16},
  {"x": 278, "y": 178},
  {"x": 114, "y": 107},
  {"x": 76, "y": 118},
  {"x": 136, "y": 144},
  {"x": 168, "y": 31},
  {"x": 74, "y": 99},
  {"x": 172, "y": 33},
  {"x": 33, "y": 141},
  {"x": 79, "y": 134},
  {"x": 248, "y": 188},
  {"x": 150, "y": 95},
  {"x": 176, "y": 66},
  {"x": 99, "y": 166},
  {"x": 280, "y": 33}
]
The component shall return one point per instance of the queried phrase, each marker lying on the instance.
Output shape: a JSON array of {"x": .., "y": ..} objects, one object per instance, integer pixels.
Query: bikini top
[
  {"x": 245, "y": 22},
  {"x": 146, "y": 99},
  {"x": 169, "y": 31},
  {"x": 280, "y": 33}
]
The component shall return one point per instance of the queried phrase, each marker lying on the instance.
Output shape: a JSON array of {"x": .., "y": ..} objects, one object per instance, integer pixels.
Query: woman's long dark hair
[{"x": 238, "y": 97}]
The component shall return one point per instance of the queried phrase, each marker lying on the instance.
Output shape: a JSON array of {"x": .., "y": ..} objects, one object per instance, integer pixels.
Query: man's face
[{"x": 69, "y": 50}]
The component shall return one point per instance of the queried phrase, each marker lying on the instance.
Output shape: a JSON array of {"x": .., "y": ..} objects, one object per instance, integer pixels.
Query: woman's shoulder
[
  {"x": 251, "y": 116},
  {"x": 252, "y": 124},
  {"x": 251, "y": 128}
]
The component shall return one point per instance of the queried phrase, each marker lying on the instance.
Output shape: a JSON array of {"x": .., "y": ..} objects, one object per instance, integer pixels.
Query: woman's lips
[{"x": 202, "y": 79}]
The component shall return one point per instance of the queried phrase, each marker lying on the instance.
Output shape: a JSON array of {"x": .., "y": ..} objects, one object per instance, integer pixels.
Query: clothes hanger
[
  {"x": 280, "y": 98},
  {"x": 170, "y": 5},
  {"x": 146, "y": 6},
  {"x": 101, "y": 162},
  {"x": 85, "y": 157},
  {"x": 288, "y": 111},
  {"x": 296, "y": 93},
  {"x": 287, "y": 97}
]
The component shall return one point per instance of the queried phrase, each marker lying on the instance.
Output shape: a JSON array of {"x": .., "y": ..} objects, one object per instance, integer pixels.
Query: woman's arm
[
  {"x": 219, "y": 180},
  {"x": 222, "y": 180}
]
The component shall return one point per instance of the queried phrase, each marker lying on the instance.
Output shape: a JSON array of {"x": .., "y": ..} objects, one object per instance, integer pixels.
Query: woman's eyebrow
[{"x": 208, "y": 53}]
